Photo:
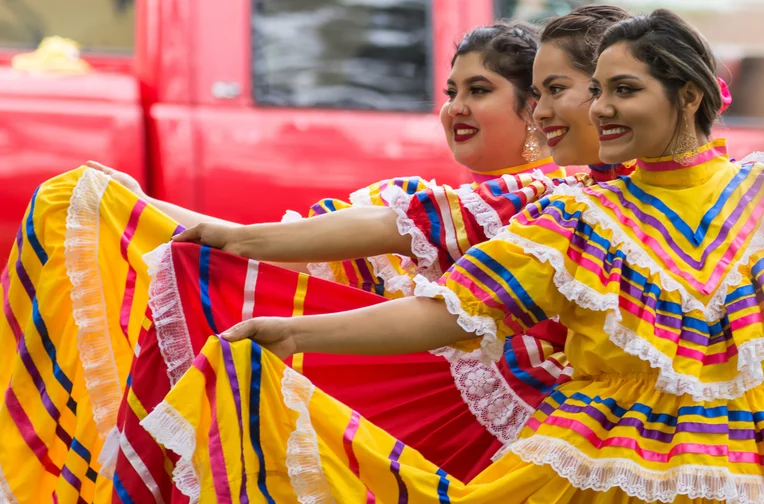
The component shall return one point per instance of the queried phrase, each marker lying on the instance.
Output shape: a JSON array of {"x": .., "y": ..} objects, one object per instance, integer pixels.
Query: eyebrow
[
  {"x": 471, "y": 80},
  {"x": 621, "y": 77},
  {"x": 551, "y": 78}
]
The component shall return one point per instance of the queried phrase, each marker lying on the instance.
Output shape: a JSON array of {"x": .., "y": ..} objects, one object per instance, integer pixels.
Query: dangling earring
[
  {"x": 686, "y": 148},
  {"x": 532, "y": 147}
]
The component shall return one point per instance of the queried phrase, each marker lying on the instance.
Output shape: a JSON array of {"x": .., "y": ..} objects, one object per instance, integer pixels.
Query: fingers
[
  {"x": 99, "y": 167},
  {"x": 193, "y": 235},
  {"x": 240, "y": 331}
]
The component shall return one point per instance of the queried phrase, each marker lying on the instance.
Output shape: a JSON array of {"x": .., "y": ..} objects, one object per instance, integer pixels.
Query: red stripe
[
  {"x": 15, "y": 327},
  {"x": 217, "y": 457},
  {"x": 347, "y": 442},
  {"x": 28, "y": 433},
  {"x": 127, "y": 237}
]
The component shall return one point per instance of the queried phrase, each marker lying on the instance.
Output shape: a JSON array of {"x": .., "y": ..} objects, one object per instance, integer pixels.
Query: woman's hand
[
  {"x": 272, "y": 333},
  {"x": 123, "y": 178},
  {"x": 217, "y": 236}
]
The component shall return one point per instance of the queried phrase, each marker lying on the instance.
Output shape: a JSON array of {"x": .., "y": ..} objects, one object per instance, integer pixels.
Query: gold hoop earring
[
  {"x": 686, "y": 148},
  {"x": 532, "y": 146}
]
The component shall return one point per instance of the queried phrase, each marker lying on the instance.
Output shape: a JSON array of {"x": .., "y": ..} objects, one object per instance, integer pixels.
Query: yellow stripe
[
  {"x": 456, "y": 216},
  {"x": 299, "y": 295},
  {"x": 298, "y": 360},
  {"x": 136, "y": 405}
]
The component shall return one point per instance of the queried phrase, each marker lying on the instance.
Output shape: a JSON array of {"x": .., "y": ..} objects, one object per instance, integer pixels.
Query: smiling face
[
  {"x": 634, "y": 115},
  {"x": 480, "y": 119},
  {"x": 562, "y": 111}
]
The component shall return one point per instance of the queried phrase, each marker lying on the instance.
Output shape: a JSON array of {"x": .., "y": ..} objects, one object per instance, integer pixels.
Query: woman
[{"x": 657, "y": 277}]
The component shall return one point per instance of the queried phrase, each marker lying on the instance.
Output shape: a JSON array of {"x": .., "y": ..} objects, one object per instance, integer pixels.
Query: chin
[{"x": 615, "y": 156}]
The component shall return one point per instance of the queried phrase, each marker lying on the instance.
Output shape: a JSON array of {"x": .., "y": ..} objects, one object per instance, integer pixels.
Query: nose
[
  {"x": 543, "y": 111},
  {"x": 457, "y": 107},
  {"x": 601, "y": 108}
]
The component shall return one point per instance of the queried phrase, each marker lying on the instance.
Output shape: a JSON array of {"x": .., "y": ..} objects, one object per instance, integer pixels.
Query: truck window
[
  {"x": 347, "y": 54},
  {"x": 97, "y": 25}
]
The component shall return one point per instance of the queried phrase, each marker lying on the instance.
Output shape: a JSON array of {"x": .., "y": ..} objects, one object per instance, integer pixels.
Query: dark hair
[
  {"x": 675, "y": 54},
  {"x": 579, "y": 33},
  {"x": 507, "y": 48}
]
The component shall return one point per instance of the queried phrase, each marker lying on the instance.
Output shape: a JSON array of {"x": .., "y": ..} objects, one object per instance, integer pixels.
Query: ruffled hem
[
  {"x": 322, "y": 271},
  {"x": 484, "y": 215},
  {"x": 487, "y": 394},
  {"x": 109, "y": 453},
  {"x": 303, "y": 460},
  {"x": 694, "y": 481},
  {"x": 394, "y": 281},
  {"x": 491, "y": 348},
  {"x": 88, "y": 304},
  {"x": 175, "y": 433},
  {"x": 172, "y": 333}
]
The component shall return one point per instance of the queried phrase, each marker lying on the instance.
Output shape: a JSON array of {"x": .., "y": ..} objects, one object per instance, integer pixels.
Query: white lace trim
[
  {"x": 487, "y": 394},
  {"x": 714, "y": 310},
  {"x": 753, "y": 157},
  {"x": 694, "y": 481},
  {"x": 174, "y": 432},
  {"x": 322, "y": 270},
  {"x": 384, "y": 268},
  {"x": 303, "y": 459},
  {"x": 425, "y": 252},
  {"x": 575, "y": 291},
  {"x": 291, "y": 216},
  {"x": 491, "y": 348},
  {"x": 81, "y": 259},
  {"x": 485, "y": 216},
  {"x": 6, "y": 495},
  {"x": 172, "y": 333}
]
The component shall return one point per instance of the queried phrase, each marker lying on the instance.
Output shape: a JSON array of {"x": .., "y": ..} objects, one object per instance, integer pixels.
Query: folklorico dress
[{"x": 657, "y": 276}]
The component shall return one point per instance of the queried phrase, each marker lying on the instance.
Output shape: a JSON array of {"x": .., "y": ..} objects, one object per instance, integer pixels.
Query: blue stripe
[
  {"x": 50, "y": 348},
  {"x": 412, "y": 185},
  {"x": 494, "y": 186},
  {"x": 511, "y": 281},
  {"x": 432, "y": 215},
  {"x": 329, "y": 204},
  {"x": 81, "y": 450},
  {"x": 520, "y": 373},
  {"x": 443, "y": 487},
  {"x": 695, "y": 237},
  {"x": 31, "y": 236},
  {"x": 516, "y": 201},
  {"x": 121, "y": 491},
  {"x": 757, "y": 268},
  {"x": 254, "y": 419},
  {"x": 204, "y": 286}
]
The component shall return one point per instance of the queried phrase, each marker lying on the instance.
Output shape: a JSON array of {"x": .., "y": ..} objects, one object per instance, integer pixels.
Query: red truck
[{"x": 243, "y": 108}]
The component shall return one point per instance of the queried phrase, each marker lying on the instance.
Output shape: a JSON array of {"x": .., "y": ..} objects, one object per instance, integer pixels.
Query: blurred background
[{"x": 243, "y": 108}]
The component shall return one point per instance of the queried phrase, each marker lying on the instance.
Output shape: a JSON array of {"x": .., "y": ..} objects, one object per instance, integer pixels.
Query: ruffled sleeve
[
  {"x": 444, "y": 222},
  {"x": 529, "y": 272}
]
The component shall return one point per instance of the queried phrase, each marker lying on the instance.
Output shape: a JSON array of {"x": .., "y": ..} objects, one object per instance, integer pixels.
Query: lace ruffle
[
  {"x": 109, "y": 453},
  {"x": 484, "y": 215},
  {"x": 696, "y": 482},
  {"x": 322, "y": 270},
  {"x": 175, "y": 433},
  {"x": 491, "y": 348},
  {"x": 303, "y": 460},
  {"x": 6, "y": 496},
  {"x": 487, "y": 394},
  {"x": 81, "y": 259},
  {"x": 172, "y": 333}
]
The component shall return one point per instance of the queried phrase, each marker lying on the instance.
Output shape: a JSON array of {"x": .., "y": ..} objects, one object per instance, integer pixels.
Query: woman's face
[
  {"x": 630, "y": 108},
  {"x": 480, "y": 118},
  {"x": 562, "y": 109}
]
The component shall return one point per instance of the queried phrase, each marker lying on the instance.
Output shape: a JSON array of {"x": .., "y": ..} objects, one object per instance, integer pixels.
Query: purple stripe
[
  {"x": 497, "y": 289},
  {"x": 547, "y": 408},
  {"x": 318, "y": 209},
  {"x": 395, "y": 467},
  {"x": 588, "y": 248},
  {"x": 230, "y": 370},
  {"x": 723, "y": 232},
  {"x": 556, "y": 214},
  {"x": 21, "y": 272},
  {"x": 72, "y": 479},
  {"x": 657, "y": 435},
  {"x": 741, "y": 305},
  {"x": 363, "y": 267},
  {"x": 178, "y": 229}
]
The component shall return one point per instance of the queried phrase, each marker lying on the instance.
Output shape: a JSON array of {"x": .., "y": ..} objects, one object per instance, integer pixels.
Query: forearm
[
  {"x": 396, "y": 327},
  {"x": 347, "y": 234},
  {"x": 187, "y": 218}
]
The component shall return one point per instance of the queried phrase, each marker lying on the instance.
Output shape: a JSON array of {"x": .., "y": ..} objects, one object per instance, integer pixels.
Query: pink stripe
[
  {"x": 717, "y": 358},
  {"x": 217, "y": 456},
  {"x": 127, "y": 237},
  {"x": 485, "y": 297},
  {"x": 753, "y": 318},
  {"x": 650, "y": 455},
  {"x": 672, "y": 165},
  {"x": 9, "y": 315},
  {"x": 347, "y": 441},
  {"x": 594, "y": 267}
]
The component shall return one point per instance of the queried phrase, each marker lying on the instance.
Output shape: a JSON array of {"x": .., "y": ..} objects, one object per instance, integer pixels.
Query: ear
[{"x": 690, "y": 96}]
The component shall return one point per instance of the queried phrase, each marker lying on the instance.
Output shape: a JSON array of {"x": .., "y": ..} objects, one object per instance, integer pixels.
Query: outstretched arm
[
  {"x": 351, "y": 233},
  {"x": 397, "y": 327}
]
